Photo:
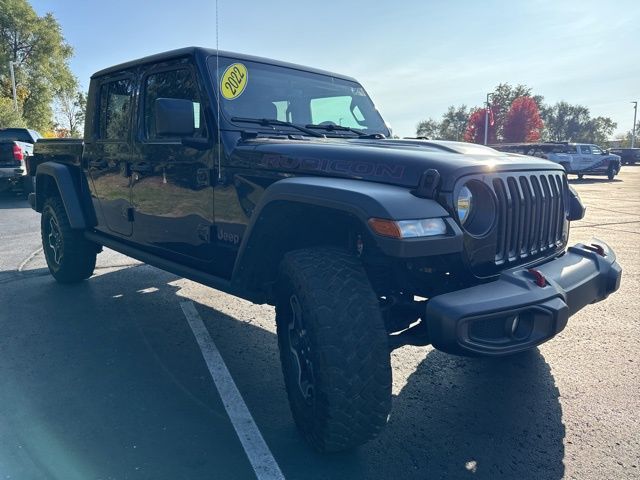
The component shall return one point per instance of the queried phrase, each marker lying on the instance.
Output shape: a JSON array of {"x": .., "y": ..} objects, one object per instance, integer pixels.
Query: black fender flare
[
  {"x": 67, "y": 186},
  {"x": 363, "y": 200}
]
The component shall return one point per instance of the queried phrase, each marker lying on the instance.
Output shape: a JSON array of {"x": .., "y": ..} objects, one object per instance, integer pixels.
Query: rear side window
[
  {"x": 180, "y": 84},
  {"x": 115, "y": 109}
]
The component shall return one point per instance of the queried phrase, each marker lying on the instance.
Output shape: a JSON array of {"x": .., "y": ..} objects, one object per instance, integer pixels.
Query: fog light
[
  {"x": 514, "y": 325},
  {"x": 520, "y": 326}
]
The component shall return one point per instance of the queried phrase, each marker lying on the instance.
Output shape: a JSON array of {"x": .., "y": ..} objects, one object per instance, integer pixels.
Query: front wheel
[
  {"x": 611, "y": 173},
  {"x": 333, "y": 348},
  {"x": 70, "y": 257}
]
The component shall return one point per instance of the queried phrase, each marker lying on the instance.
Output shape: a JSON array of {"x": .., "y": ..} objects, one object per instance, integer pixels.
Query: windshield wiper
[
  {"x": 332, "y": 128},
  {"x": 270, "y": 122}
]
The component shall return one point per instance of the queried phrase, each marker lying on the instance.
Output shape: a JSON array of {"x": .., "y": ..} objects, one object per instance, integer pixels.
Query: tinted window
[
  {"x": 180, "y": 84},
  {"x": 115, "y": 109},
  {"x": 596, "y": 150}
]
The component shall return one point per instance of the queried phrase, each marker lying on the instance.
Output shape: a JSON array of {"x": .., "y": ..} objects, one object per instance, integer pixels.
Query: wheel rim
[
  {"x": 54, "y": 239},
  {"x": 300, "y": 350}
]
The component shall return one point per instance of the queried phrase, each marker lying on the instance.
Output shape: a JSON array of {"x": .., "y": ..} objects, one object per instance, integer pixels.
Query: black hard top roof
[{"x": 206, "y": 52}]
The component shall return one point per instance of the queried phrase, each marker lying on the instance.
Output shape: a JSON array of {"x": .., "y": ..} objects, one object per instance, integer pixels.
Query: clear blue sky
[{"x": 414, "y": 57}]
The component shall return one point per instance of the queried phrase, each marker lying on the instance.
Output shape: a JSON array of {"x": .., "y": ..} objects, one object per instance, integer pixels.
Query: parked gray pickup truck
[
  {"x": 277, "y": 183},
  {"x": 16, "y": 145}
]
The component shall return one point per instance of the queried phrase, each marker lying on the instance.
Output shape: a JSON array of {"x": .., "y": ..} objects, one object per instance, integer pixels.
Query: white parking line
[
  {"x": 260, "y": 457},
  {"x": 29, "y": 258}
]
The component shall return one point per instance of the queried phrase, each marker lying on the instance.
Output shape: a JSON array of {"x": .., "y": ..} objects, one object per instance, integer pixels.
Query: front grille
[{"x": 531, "y": 215}]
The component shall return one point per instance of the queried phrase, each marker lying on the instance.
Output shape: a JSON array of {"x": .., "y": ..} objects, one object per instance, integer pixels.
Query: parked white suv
[{"x": 577, "y": 158}]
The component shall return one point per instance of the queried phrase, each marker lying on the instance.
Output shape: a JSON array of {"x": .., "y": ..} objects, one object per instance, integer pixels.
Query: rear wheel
[
  {"x": 333, "y": 348},
  {"x": 70, "y": 257}
]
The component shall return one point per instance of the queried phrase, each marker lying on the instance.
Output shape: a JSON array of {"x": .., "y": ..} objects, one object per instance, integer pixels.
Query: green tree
[
  {"x": 40, "y": 54},
  {"x": 70, "y": 111},
  {"x": 451, "y": 127},
  {"x": 573, "y": 123},
  {"x": 454, "y": 123},
  {"x": 8, "y": 116},
  {"x": 428, "y": 128}
]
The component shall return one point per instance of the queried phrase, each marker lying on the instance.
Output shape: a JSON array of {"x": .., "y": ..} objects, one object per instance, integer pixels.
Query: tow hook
[
  {"x": 594, "y": 247},
  {"x": 539, "y": 278}
]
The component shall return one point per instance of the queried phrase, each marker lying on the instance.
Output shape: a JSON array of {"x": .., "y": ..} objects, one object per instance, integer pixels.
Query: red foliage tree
[
  {"x": 475, "y": 127},
  {"x": 523, "y": 122}
]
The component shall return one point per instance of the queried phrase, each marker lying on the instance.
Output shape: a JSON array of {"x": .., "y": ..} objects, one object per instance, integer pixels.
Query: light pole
[
  {"x": 13, "y": 86},
  {"x": 633, "y": 129},
  {"x": 486, "y": 119}
]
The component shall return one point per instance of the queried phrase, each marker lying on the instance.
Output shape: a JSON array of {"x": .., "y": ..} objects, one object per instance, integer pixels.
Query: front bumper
[{"x": 514, "y": 313}]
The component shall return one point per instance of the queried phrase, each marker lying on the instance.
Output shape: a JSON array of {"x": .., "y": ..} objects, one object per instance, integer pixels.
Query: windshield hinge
[{"x": 428, "y": 184}]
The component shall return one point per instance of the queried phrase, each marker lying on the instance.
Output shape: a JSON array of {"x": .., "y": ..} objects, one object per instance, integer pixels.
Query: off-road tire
[
  {"x": 74, "y": 259},
  {"x": 348, "y": 348}
]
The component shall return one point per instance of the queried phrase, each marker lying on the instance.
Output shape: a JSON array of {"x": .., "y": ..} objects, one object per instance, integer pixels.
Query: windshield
[{"x": 262, "y": 91}]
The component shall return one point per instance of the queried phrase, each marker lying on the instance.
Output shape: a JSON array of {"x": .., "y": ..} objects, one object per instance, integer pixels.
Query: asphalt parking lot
[{"x": 105, "y": 379}]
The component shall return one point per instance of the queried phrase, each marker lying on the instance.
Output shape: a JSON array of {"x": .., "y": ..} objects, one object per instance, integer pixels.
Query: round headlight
[{"x": 464, "y": 204}]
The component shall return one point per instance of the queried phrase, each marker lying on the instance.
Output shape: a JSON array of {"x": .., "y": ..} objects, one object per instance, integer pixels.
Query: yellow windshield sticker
[{"x": 234, "y": 81}]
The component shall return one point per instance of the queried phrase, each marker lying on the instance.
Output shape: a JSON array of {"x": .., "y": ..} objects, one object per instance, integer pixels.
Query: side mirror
[
  {"x": 174, "y": 117},
  {"x": 576, "y": 207}
]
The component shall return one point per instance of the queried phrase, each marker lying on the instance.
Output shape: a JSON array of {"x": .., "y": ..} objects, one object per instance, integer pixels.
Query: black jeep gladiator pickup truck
[{"x": 277, "y": 183}]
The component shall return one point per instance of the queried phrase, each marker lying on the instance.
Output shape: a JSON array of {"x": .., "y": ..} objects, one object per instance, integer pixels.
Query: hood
[{"x": 397, "y": 162}]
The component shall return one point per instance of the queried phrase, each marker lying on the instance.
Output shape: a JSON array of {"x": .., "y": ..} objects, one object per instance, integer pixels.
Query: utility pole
[
  {"x": 486, "y": 120},
  {"x": 633, "y": 129},
  {"x": 13, "y": 86}
]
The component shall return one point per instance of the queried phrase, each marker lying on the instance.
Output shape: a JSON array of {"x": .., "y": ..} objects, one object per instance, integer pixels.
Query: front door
[
  {"x": 108, "y": 155},
  {"x": 172, "y": 193},
  {"x": 586, "y": 158}
]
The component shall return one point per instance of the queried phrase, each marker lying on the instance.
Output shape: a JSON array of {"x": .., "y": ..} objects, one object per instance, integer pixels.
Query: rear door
[
  {"x": 172, "y": 191},
  {"x": 108, "y": 154}
]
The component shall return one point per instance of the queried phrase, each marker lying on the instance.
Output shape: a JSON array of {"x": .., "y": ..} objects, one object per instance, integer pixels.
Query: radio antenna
[{"x": 218, "y": 96}]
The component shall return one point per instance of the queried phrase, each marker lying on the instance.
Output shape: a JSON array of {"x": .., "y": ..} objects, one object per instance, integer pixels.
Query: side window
[
  {"x": 180, "y": 84},
  {"x": 596, "y": 150},
  {"x": 585, "y": 149},
  {"x": 115, "y": 109}
]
